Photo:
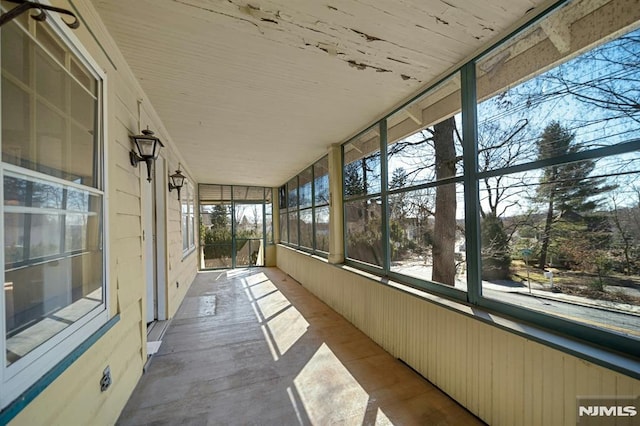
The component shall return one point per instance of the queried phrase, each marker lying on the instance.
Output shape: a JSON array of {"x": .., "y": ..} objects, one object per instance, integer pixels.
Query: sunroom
[{"x": 458, "y": 181}]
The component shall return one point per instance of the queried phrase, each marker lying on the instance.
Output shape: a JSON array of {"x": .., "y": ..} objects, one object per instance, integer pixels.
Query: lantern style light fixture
[
  {"x": 148, "y": 147},
  {"x": 176, "y": 181}
]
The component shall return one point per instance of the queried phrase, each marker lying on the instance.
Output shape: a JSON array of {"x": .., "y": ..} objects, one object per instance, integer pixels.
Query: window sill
[
  {"x": 25, "y": 341},
  {"x": 187, "y": 253},
  {"x": 611, "y": 360}
]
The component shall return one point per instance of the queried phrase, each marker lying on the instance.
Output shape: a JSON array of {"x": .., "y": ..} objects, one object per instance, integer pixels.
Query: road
[
  {"x": 574, "y": 308},
  {"x": 625, "y": 323}
]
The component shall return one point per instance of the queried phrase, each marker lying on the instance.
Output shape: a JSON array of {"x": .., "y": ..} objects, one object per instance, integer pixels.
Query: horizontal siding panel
[
  {"x": 126, "y": 204},
  {"x": 128, "y": 248},
  {"x": 127, "y": 226},
  {"x": 87, "y": 392},
  {"x": 77, "y": 392},
  {"x": 125, "y": 178},
  {"x": 121, "y": 131}
]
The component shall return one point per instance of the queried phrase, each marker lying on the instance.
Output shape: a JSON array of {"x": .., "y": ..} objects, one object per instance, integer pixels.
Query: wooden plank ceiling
[{"x": 253, "y": 92}]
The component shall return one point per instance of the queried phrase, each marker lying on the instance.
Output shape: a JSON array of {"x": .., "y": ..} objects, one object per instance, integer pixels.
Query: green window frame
[
  {"x": 304, "y": 209},
  {"x": 474, "y": 176}
]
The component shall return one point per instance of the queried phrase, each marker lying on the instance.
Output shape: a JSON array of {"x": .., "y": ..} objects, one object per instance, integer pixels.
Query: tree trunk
[
  {"x": 444, "y": 232},
  {"x": 365, "y": 190},
  {"x": 627, "y": 258},
  {"x": 547, "y": 234}
]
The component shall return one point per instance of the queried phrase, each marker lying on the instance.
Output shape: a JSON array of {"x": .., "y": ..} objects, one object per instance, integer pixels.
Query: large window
[
  {"x": 559, "y": 166},
  {"x": 403, "y": 194},
  {"x": 533, "y": 210},
  {"x": 293, "y": 212},
  {"x": 304, "y": 209},
  {"x": 53, "y": 203},
  {"x": 187, "y": 218},
  {"x": 305, "y": 191},
  {"x": 426, "y": 196},
  {"x": 363, "y": 202},
  {"x": 321, "y": 205}
]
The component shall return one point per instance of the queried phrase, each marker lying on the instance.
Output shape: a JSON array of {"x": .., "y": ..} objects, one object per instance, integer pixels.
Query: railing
[{"x": 248, "y": 252}]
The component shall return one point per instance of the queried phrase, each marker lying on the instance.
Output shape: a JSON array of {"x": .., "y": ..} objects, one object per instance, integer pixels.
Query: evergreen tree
[
  {"x": 398, "y": 178},
  {"x": 219, "y": 218},
  {"x": 496, "y": 258},
  {"x": 217, "y": 239},
  {"x": 565, "y": 188},
  {"x": 353, "y": 183}
]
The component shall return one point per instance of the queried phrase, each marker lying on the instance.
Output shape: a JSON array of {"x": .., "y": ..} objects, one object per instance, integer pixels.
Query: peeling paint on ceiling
[{"x": 273, "y": 76}]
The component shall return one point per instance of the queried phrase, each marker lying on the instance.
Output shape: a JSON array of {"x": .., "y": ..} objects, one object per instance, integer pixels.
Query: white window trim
[
  {"x": 189, "y": 197},
  {"x": 16, "y": 378}
]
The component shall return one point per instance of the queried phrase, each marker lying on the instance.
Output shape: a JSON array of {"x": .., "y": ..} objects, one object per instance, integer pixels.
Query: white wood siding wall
[
  {"x": 75, "y": 397},
  {"x": 499, "y": 376}
]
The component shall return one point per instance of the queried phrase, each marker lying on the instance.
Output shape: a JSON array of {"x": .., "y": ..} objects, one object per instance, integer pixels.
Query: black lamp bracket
[
  {"x": 25, "y": 5},
  {"x": 134, "y": 158},
  {"x": 177, "y": 188}
]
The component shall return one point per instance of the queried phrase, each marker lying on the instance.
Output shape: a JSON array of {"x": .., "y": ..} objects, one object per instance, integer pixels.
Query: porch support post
[
  {"x": 275, "y": 214},
  {"x": 336, "y": 213}
]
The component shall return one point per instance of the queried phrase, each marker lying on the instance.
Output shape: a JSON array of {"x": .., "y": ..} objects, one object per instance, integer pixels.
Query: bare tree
[{"x": 444, "y": 229}]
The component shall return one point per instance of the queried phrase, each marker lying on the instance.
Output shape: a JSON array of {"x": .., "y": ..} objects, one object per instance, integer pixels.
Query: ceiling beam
[{"x": 414, "y": 111}]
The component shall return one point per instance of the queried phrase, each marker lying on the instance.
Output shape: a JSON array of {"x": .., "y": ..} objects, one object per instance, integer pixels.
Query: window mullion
[
  {"x": 233, "y": 230},
  {"x": 471, "y": 188},
  {"x": 63, "y": 220},
  {"x": 384, "y": 187},
  {"x": 297, "y": 212},
  {"x": 313, "y": 209}
]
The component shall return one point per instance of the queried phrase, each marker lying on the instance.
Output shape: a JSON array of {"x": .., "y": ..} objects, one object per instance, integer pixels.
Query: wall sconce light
[
  {"x": 176, "y": 181},
  {"x": 148, "y": 147}
]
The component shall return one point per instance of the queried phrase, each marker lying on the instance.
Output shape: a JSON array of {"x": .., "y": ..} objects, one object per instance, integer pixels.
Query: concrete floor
[{"x": 253, "y": 347}]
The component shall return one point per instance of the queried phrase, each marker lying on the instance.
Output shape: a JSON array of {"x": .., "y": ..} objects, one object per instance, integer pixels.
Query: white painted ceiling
[{"x": 253, "y": 92}]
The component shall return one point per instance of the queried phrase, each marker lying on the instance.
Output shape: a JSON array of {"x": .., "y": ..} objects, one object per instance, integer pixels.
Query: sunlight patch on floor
[
  {"x": 382, "y": 419},
  {"x": 237, "y": 272},
  {"x": 259, "y": 290},
  {"x": 281, "y": 323},
  {"x": 256, "y": 279},
  {"x": 324, "y": 378},
  {"x": 287, "y": 328},
  {"x": 271, "y": 304},
  {"x": 269, "y": 340}
]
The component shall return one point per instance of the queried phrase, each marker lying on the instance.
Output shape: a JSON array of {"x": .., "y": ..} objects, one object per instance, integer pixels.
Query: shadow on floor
[{"x": 252, "y": 346}]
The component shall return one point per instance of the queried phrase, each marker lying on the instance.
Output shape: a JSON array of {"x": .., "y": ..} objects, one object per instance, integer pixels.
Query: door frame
[
  {"x": 153, "y": 202},
  {"x": 160, "y": 204},
  {"x": 232, "y": 203}
]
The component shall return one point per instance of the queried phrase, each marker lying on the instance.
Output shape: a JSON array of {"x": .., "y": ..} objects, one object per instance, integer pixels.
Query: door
[
  {"x": 234, "y": 235},
  {"x": 218, "y": 237},
  {"x": 148, "y": 225},
  {"x": 248, "y": 234},
  {"x": 160, "y": 238},
  {"x": 154, "y": 236}
]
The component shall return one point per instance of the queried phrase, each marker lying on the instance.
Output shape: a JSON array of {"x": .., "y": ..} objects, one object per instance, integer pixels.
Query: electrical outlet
[{"x": 105, "y": 382}]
